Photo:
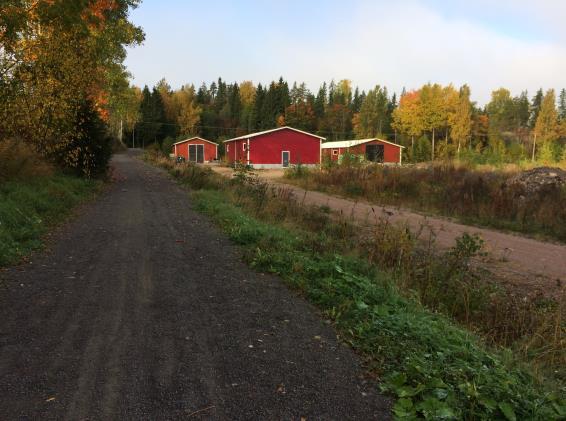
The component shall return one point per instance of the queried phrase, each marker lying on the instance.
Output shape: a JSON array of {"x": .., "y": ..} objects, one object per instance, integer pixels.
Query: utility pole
[
  {"x": 134, "y": 137},
  {"x": 121, "y": 131}
]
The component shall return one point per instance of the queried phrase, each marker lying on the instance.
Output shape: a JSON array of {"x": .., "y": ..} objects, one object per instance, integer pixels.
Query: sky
[{"x": 516, "y": 44}]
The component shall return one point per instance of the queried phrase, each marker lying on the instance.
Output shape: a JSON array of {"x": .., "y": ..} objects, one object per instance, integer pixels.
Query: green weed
[{"x": 29, "y": 208}]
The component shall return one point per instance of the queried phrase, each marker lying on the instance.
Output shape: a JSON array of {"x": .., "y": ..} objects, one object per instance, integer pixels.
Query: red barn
[
  {"x": 276, "y": 148},
  {"x": 374, "y": 150},
  {"x": 196, "y": 149}
]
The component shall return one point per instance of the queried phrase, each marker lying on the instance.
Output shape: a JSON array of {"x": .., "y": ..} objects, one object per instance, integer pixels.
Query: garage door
[{"x": 196, "y": 153}]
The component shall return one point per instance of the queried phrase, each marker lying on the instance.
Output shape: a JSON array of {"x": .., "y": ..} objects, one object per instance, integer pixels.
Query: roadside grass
[
  {"x": 30, "y": 207},
  {"x": 473, "y": 196},
  {"x": 394, "y": 302}
]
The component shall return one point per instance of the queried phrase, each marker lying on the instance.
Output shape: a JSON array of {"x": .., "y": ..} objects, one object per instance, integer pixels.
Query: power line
[{"x": 241, "y": 128}]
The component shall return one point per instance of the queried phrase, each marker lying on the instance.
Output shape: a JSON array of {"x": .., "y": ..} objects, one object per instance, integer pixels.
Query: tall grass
[
  {"x": 19, "y": 162},
  {"x": 29, "y": 208},
  {"x": 373, "y": 283},
  {"x": 472, "y": 196}
]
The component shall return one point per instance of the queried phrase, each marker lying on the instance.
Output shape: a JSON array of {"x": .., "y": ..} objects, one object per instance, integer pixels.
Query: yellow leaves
[
  {"x": 546, "y": 126},
  {"x": 247, "y": 92}
]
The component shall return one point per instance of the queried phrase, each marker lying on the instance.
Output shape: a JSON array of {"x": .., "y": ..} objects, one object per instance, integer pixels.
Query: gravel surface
[{"x": 143, "y": 310}]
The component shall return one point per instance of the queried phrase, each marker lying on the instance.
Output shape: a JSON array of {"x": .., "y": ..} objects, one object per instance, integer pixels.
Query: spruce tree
[
  {"x": 320, "y": 102},
  {"x": 258, "y": 107},
  {"x": 535, "y": 108},
  {"x": 562, "y": 105}
]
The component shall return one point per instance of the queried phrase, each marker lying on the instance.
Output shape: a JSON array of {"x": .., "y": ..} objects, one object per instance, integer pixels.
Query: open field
[
  {"x": 333, "y": 263},
  {"x": 529, "y": 266},
  {"x": 476, "y": 197}
]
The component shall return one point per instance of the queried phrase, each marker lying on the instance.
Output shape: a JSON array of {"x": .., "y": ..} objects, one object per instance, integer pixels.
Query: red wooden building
[
  {"x": 276, "y": 148},
  {"x": 196, "y": 149},
  {"x": 374, "y": 150}
]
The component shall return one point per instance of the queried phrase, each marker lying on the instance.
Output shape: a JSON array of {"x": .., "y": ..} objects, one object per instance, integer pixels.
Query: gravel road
[{"x": 142, "y": 310}]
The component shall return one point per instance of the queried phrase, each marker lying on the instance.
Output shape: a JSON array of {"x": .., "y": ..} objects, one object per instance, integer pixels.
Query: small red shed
[
  {"x": 275, "y": 148},
  {"x": 196, "y": 149},
  {"x": 374, "y": 150}
]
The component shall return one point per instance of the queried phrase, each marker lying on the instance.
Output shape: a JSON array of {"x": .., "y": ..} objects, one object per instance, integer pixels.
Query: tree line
[
  {"x": 62, "y": 78},
  {"x": 433, "y": 122}
]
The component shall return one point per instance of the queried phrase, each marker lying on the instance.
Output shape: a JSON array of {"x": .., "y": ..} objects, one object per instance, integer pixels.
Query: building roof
[
  {"x": 252, "y": 135},
  {"x": 350, "y": 143},
  {"x": 195, "y": 138}
]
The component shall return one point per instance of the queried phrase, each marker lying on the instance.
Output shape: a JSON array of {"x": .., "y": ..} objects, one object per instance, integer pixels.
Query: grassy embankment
[
  {"x": 473, "y": 196},
  {"x": 33, "y": 198},
  {"x": 408, "y": 310}
]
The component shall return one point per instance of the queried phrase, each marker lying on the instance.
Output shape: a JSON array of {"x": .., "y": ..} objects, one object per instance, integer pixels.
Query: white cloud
[
  {"x": 397, "y": 44},
  {"x": 409, "y": 44}
]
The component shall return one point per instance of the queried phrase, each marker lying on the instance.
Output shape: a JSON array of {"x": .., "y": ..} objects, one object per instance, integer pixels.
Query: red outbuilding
[
  {"x": 196, "y": 149},
  {"x": 374, "y": 150},
  {"x": 276, "y": 148}
]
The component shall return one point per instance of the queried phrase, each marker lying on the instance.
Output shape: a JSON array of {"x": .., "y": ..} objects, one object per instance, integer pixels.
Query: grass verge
[
  {"x": 435, "y": 368},
  {"x": 28, "y": 209}
]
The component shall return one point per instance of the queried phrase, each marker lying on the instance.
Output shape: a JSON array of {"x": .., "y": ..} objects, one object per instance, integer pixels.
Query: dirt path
[
  {"x": 519, "y": 259},
  {"x": 143, "y": 310}
]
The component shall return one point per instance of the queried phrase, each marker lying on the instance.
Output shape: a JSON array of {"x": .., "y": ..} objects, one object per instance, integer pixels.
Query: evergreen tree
[
  {"x": 356, "y": 101},
  {"x": 221, "y": 96},
  {"x": 153, "y": 115},
  {"x": 388, "y": 123},
  {"x": 331, "y": 92},
  {"x": 203, "y": 96},
  {"x": 522, "y": 110},
  {"x": 258, "y": 107},
  {"x": 235, "y": 103},
  {"x": 535, "y": 108},
  {"x": 320, "y": 102},
  {"x": 562, "y": 105},
  {"x": 213, "y": 91},
  {"x": 371, "y": 119}
]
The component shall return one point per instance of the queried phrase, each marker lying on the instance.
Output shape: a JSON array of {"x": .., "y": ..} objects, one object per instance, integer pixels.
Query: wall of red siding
[
  {"x": 183, "y": 149},
  {"x": 266, "y": 149},
  {"x": 234, "y": 151}
]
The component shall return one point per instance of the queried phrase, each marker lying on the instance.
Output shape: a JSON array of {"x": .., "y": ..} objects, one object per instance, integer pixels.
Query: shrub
[
  {"x": 89, "y": 149},
  {"x": 19, "y": 161},
  {"x": 167, "y": 145}
]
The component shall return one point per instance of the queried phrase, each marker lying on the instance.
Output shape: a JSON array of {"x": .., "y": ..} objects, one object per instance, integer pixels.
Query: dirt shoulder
[
  {"x": 144, "y": 310},
  {"x": 521, "y": 261}
]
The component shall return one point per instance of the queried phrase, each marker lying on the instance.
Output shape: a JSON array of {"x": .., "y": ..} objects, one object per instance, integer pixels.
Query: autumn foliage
[{"x": 56, "y": 62}]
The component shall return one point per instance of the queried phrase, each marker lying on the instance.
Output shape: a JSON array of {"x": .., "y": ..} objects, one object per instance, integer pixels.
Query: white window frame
[
  {"x": 244, "y": 148},
  {"x": 282, "y": 152},
  {"x": 196, "y": 153},
  {"x": 335, "y": 152}
]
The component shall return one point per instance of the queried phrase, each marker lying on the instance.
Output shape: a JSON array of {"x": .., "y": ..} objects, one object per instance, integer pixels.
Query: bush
[
  {"x": 423, "y": 150},
  {"x": 19, "y": 161},
  {"x": 167, "y": 145},
  {"x": 89, "y": 150}
]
